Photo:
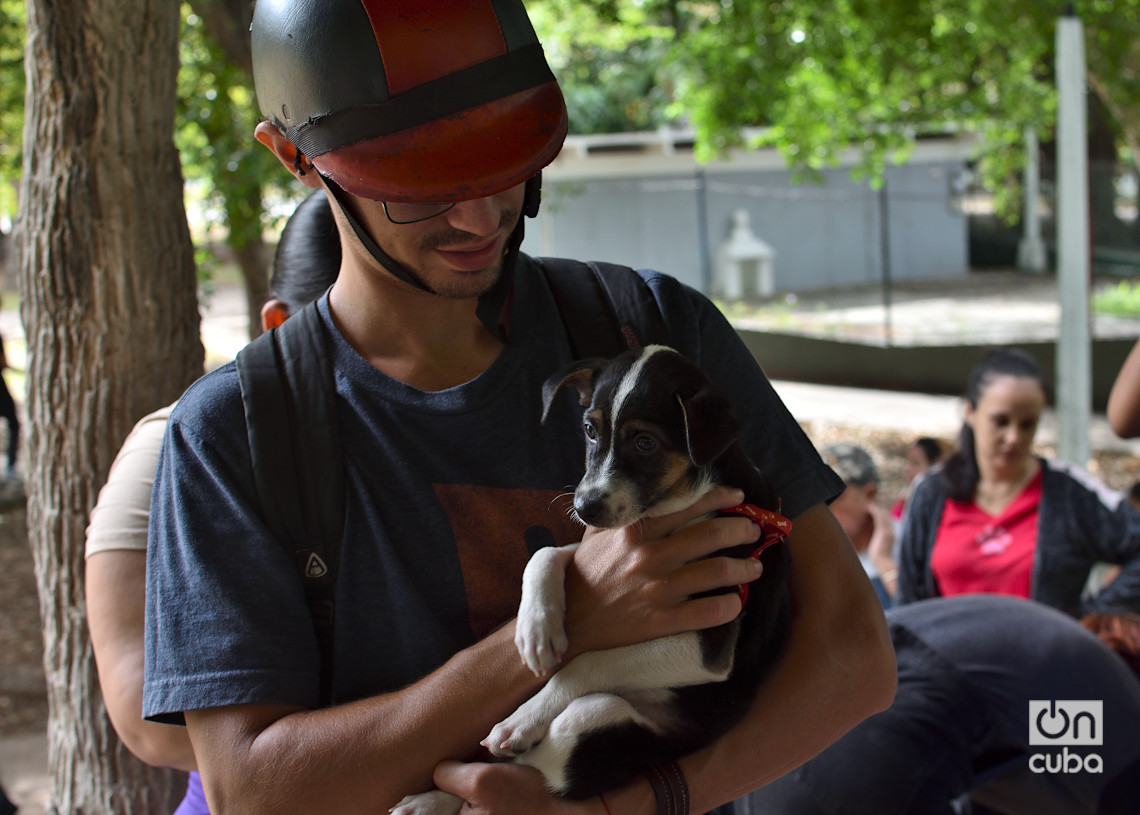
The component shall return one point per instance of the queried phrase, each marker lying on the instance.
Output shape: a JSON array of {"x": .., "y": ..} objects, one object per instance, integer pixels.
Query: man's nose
[{"x": 480, "y": 216}]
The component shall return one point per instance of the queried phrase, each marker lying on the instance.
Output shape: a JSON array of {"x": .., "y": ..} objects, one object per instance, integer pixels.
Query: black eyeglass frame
[{"x": 442, "y": 208}]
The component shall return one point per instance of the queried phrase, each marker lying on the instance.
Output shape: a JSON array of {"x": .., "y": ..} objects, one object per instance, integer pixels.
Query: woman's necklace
[{"x": 993, "y": 495}]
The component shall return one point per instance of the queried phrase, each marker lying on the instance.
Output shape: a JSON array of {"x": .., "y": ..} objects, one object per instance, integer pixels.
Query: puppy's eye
[
  {"x": 591, "y": 432},
  {"x": 645, "y": 444}
]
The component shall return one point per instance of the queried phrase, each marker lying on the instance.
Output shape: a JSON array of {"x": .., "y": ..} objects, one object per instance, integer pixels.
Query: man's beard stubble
[{"x": 461, "y": 288}]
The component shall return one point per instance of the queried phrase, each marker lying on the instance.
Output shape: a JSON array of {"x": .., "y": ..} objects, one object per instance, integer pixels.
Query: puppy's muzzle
[
  {"x": 601, "y": 508},
  {"x": 592, "y": 505}
]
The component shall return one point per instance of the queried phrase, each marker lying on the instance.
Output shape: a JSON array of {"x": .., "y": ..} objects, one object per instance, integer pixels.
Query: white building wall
[{"x": 642, "y": 208}]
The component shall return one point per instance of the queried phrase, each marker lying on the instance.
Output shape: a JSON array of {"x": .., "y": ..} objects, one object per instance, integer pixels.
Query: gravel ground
[{"x": 23, "y": 698}]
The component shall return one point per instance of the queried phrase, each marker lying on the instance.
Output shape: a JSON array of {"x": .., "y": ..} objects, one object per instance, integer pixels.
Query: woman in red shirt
[{"x": 995, "y": 518}]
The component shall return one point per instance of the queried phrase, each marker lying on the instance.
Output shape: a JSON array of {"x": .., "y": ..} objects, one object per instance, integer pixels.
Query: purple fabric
[{"x": 195, "y": 801}]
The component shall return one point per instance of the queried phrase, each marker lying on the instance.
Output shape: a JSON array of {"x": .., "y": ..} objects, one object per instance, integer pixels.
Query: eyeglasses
[{"x": 412, "y": 213}]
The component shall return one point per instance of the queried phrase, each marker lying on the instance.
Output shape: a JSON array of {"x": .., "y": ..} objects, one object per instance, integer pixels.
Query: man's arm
[
  {"x": 839, "y": 668},
  {"x": 1124, "y": 400},
  {"x": 366, "y": 755},
  {"x": 363, "y": 756}
]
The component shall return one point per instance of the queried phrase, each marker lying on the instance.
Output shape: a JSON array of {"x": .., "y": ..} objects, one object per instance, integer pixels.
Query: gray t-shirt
[{"x": 447, "y": 495}]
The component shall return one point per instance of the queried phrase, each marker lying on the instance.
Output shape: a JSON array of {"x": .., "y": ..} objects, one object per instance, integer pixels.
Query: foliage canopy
[
  {"x": 825, "y": 76},
  {"x": 13, "y": 21},
  {"x": 821, "y": 76},
  {"x": 217, "y": 113}
]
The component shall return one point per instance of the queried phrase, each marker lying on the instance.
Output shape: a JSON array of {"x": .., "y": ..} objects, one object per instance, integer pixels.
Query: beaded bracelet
[{"x": 669, "y": 788}]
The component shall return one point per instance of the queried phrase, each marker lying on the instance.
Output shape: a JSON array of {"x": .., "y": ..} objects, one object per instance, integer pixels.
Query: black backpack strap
[
  {"x": 289, "y": 395},
  {"x": 606, "y": 308}
]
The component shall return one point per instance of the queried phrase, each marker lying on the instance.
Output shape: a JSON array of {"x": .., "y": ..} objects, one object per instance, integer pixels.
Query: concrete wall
[
  {"x": 919, "y": 369},
  {"x": 671, "y": 214}
]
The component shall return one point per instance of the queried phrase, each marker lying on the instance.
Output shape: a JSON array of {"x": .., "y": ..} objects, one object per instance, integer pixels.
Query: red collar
[{"x": 773, "y": 526}]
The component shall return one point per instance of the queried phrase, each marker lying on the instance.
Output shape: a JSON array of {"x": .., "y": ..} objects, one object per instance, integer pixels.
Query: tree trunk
[
  {"x": 109, "y": 309},
  {"x": 251, "y": 260},
  {"x": 228, "y": 23}
]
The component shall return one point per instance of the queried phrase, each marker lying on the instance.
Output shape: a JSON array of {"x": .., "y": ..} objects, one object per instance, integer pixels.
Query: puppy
[{"x": 659, "y": 436}]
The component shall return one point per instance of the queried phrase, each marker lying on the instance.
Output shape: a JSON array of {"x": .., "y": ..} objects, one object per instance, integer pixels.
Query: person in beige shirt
[{"x": 305, "y": 265}]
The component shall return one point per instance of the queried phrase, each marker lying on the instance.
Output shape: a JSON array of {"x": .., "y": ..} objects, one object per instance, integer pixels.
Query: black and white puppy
[{"x": 659, "y": 436}]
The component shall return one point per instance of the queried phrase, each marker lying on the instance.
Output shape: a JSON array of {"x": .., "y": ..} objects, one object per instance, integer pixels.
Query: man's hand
[
  {"x": 637, "y": 583},
  {"x": 507, "y": 789}
]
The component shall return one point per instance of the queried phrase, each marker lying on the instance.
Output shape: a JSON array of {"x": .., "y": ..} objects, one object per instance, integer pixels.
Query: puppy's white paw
[
  {"x": 435, "y": 802},
  {"x": 540, "y": 630},
  {"x": 517, "y": 733},
  {"x": 540, "y": 635}
]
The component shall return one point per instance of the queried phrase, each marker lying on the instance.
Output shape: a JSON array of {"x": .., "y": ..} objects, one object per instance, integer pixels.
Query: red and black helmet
[{"x": 409, "y": 100}]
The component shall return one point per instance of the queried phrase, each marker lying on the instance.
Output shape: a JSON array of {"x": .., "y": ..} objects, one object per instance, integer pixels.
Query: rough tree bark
[
  {"x": 251, "y": 261},
  {"x": 109, "y": 309}
]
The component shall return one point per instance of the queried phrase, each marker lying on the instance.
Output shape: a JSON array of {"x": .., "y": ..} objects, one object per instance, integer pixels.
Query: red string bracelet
[{"x": 604, "y": 804}]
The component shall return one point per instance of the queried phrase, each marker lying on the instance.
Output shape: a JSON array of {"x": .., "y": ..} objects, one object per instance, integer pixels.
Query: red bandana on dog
[{"x": 775, "y": 527}]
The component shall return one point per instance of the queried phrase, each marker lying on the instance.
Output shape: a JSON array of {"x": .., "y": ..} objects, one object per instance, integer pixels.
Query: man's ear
[
  {"x": 273, "y": 314},
  {"x": 301, "y": 168}
]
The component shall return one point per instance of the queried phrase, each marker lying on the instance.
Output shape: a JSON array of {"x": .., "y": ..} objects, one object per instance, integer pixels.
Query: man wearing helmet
[{"x": 427, "y": 122}]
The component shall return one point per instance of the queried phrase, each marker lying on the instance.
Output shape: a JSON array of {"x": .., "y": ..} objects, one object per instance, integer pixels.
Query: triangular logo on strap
[{"x": 315, "y": 567}]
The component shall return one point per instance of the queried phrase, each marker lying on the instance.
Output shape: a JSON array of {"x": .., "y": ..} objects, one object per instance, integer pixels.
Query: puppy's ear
[
  {"x": 581, "y": 375},
  {"x": 710, "y": 424}
]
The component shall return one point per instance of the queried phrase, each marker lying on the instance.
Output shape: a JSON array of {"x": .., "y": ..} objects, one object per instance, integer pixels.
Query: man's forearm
[
  {"x": 838, "y": 669},
  {"x": 812, "y": 700},
  {"x": 369, "y": 754},
  {"x": 1124, "y": 400},
  {"x": 362, "y": 756}
]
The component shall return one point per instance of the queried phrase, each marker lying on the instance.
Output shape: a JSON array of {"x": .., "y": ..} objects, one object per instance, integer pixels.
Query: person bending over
[
  {"x": 305, "y": 265},
  {"x": 969, "y": 670}
]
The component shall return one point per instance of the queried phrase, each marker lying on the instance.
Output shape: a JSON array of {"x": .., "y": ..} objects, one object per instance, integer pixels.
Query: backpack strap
[
  {"x": 289, "y": 396},
  {"x": 605, "y": 308}
]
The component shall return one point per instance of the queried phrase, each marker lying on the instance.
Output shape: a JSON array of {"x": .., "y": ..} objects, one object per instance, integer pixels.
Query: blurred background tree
[
  {"x": 12, "y": 23},
  {"x": 217, "y": 112},
  {"x": 824, "y": 77}
]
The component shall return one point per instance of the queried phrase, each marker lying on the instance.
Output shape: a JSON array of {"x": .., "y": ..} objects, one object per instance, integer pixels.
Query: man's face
[
  {"x": 916, "y": 463},
  {"x": 457, "y": 254}
]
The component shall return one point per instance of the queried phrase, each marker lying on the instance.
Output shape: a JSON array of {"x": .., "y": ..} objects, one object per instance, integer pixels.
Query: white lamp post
[{"x": 1074, "y": 377}]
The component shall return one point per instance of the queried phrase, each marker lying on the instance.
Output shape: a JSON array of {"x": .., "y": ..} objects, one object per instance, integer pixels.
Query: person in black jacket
[
  {"x": 8, "y": 413},
  {"x": 6, "y": 806},
  {"x": 971, "y": 669},
  {"x": 997, "y": 518}
]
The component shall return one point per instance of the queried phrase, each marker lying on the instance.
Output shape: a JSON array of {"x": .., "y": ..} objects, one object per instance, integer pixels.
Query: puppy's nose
[{"x": 591, "y": 506}]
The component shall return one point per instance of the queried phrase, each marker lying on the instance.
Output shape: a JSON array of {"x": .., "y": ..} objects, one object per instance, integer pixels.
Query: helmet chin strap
[{"x": 490, "y": 307}]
